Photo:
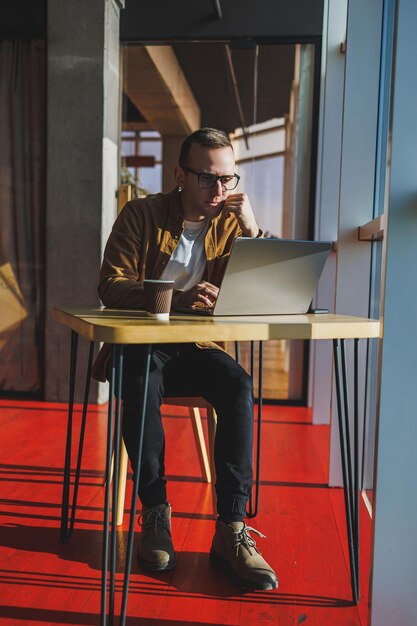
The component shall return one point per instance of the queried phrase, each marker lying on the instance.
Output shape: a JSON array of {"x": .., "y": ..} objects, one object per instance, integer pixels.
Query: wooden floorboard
[{"x": 45, "y": 582}]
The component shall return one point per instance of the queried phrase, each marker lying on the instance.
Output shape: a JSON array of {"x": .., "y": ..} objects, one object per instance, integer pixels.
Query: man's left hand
[{"x": 238, "y": 203}]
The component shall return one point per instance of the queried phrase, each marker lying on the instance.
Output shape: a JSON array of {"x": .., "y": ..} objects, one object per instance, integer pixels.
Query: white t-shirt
[{"x": 188, "y": 260}]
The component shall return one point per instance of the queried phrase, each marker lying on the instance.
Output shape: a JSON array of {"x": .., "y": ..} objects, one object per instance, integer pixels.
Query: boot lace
[
  {"x": 152, "y": 519},
  {"x": 243, "y": 538}
]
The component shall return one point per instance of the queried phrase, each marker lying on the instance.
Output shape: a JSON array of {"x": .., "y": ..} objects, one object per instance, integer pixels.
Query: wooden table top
[{"x": 124, "y": 326}]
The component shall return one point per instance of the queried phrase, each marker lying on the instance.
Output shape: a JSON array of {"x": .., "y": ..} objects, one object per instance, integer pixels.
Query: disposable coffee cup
[{"x": 158, "y": 298}]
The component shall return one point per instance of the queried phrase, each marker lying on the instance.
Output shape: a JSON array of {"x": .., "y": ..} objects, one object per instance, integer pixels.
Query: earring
[{"x": 179, "y": 188}]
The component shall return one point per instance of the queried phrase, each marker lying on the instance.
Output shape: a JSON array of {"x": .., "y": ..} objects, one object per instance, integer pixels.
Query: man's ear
[{"x": 179, "y": 175}]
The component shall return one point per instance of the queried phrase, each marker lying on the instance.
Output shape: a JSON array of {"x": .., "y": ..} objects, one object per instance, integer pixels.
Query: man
[{"x": 186, "y": 235}]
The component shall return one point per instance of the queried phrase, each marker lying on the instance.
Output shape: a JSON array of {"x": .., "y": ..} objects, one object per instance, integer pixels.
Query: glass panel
[
  {"x": 377, "y": 261},
  {"x": 372, "y": 382},
  {"x": 263, "y": 181},
  {"x": 132, "y": 171},
  {"x": 128, "y": 148},
  {"x": 150, "y": 179},
  {"x": 262, "y": 96},
  {"x": 150, "y": 133},
  {"x": 151, "y": 148},
  {"x": 275, "y": 380},
  {"x": 382, "y": 155}
]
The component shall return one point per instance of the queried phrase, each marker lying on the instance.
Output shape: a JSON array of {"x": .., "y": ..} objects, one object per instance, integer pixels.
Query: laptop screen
[{"x": 271, "y": 276}]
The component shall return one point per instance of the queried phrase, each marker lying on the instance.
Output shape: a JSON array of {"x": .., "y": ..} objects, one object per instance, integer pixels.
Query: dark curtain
[{"x": 22, "y": 214}]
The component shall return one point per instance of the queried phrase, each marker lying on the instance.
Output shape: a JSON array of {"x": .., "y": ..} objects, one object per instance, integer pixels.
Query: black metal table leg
[
  {"x": 253, "y": 510},
  {"x": 105, "y": 554},
  {"x": 350, "y": 477},
  {"x": 67, "y": 463},
  {"x": 132, "y": 522},
  {"x": 252, "y": 359},
  {"x": 81, "y": 439},
  {"x": 346, "y": 408},
  {"x": 113, "y": 424},
  {"x": 68, "y": 528},
  {"x": 116, "y": 447},
  {"x": 356, "y": 457}
]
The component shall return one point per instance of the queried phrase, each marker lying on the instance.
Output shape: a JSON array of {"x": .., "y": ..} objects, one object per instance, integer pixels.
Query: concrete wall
[{"x": 82, "y": 163}]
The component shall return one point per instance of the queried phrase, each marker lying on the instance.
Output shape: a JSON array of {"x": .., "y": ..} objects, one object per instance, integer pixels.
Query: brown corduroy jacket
[{"x": 143, "y": 238}]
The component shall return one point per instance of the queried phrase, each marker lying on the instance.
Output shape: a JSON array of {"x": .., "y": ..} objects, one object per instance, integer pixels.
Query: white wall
[
  {"x": 394, "y": 586},
  {"x": 361, "y": 92},
  {"x": 346, "y": 183},
  {"x": 327, "y": 199}
]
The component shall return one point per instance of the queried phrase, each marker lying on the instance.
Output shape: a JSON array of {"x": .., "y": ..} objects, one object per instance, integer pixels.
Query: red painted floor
[{"x": 45, "y": 582}]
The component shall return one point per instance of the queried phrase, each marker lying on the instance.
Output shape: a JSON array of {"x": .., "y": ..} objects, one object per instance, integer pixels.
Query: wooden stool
[{"x": 206, "y": 459}]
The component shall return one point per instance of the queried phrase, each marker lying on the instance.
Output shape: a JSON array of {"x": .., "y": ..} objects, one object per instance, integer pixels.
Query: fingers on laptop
[{"x": 207, "y": 293}]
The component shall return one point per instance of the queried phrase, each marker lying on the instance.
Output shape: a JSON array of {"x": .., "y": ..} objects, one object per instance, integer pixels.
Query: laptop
[{"x": 269, "y": 277}]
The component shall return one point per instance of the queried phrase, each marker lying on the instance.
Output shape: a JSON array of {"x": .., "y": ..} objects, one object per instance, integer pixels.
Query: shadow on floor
[{"x": 193, "y": 576}]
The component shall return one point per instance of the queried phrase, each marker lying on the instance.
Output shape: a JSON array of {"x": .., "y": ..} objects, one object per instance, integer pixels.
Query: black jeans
[{"x": 186, "y": 370}]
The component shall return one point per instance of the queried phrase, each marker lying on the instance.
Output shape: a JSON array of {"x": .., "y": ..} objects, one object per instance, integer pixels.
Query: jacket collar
[{"x": 175, "y": 207}]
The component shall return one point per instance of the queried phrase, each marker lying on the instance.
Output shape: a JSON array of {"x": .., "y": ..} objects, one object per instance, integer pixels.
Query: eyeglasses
[{"x": 206, "y": 181}]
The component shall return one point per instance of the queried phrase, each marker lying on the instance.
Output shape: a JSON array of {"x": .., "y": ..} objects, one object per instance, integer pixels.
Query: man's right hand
[{"x": 203, "y": 293}]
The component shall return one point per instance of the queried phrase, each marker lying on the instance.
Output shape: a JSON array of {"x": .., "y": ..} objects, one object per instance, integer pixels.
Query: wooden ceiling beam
[{"x": 155, "y": 83}]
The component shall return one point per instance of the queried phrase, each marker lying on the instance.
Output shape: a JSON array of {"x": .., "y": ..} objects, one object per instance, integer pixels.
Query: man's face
[{"x": 199, "y": 201}]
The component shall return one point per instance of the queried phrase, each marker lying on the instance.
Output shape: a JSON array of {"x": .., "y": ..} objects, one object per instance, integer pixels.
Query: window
[{"x": 142, "y": 143}]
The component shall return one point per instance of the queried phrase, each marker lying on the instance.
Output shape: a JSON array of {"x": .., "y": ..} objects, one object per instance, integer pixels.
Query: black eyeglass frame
[{"x": 215, "y": 178}]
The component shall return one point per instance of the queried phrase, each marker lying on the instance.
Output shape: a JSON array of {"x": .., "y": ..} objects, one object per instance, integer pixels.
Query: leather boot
[
  {"x": 235, "y": 552},
  {"x": 155, "y": 549}
]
